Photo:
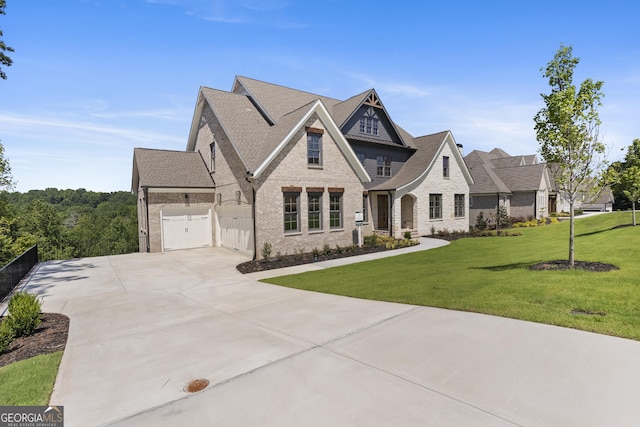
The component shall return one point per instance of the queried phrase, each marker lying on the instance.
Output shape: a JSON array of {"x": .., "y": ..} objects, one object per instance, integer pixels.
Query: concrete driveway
[{"x": 145, "y": 325}]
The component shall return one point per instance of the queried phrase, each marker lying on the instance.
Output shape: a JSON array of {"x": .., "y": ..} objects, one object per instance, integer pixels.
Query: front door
[{"x": 383, "y": 212}]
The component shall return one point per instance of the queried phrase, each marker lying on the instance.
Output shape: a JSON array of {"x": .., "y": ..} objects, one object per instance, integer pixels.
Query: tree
[
  {"x": 6, "y": 179},
  {"x": 4, "y": 59},
  {"x": 628, "y": 174},
  {"x": 567, "y": 129}
]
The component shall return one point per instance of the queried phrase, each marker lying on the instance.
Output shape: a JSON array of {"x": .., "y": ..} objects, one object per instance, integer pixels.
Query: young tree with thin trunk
[
  {"x": 629, "y": 176},
  {"x": 567, "y": 129}
]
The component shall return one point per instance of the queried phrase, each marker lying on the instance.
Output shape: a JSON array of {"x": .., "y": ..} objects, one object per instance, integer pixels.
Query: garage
[
  {"x": 235, "y": 228},
  {"x": 185, "y": 228}
]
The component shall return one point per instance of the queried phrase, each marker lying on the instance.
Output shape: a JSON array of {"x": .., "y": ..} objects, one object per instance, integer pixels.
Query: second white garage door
[
  {"x": 236, "y": 227},
  {"x": 185, "y": 228}
]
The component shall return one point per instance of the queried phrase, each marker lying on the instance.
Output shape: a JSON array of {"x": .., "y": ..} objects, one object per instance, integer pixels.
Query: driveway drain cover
[{"x": 196, "y": 385}]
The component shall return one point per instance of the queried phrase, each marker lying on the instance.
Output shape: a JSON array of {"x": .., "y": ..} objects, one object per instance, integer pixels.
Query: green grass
[
  {"x": 491, "y": 275},
  {"x": 30, "y": 381}
]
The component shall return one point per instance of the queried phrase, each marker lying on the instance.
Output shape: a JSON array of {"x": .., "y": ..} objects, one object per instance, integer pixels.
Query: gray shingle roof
[
  {"x": 242, "y": 122},
  {"x": 498, "y": 172},
  {"x": 278, "y": 100},
  {"x": 522, "y": 178},
  {"x": 169, "y": 169},
  {"x": 257, "y": 116},
  {"x": 508, "y": 162},
  {"x": 427, "y": 146},
  {"x": 343, "y": 110}
]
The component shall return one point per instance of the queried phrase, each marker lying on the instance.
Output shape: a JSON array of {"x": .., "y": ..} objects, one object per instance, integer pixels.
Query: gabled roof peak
[{"x": 373, "y": 100}]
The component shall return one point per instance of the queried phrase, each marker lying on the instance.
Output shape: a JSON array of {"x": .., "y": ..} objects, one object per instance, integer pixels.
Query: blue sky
[{"x": 93, "y": 79}]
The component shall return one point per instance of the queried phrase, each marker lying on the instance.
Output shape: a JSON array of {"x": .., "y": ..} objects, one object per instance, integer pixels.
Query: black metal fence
[{"x": 12, "y": 273}]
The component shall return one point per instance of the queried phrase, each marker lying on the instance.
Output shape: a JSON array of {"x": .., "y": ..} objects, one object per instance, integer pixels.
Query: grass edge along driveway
[
  {"x": 30, "y": 381},
  {"x": 491, "y": 275}
]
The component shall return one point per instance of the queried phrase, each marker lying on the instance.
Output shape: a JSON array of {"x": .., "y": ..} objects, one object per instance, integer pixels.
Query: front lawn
[
  {"x": 491, "y": 275},
  {"x": 29, "y": 382}
]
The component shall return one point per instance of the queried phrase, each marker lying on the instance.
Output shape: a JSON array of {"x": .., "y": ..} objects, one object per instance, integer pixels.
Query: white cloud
[
  {"x": 49, "y": 128},
  {"x": 271, "y": 13}
]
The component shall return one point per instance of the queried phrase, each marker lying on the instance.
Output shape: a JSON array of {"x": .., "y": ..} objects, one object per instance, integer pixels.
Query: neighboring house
[
  {"x": 518, "y": 183},
  {"x": 600, "y": 200},
  {"x": 603, "y": 203},
  {"x": 274, "y": 165}
]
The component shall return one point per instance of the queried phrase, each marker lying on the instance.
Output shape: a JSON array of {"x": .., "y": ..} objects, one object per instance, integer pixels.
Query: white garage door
[
  {"x": 236, "y": 227},
  {"x": 185, "y": 228}
]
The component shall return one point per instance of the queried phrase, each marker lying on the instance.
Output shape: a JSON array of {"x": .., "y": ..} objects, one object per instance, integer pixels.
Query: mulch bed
[
  {"x": 597, "y": 267},
  {"x": 304, "y": 258},
  {"x": 50, "y": 336}
]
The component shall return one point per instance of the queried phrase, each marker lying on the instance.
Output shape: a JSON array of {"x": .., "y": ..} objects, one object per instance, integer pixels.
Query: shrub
[
  {"x": 315, "y": 252},
  {"x": 501, "y": 218},
  {"x": 481, "y": 222},
  {"x": 370, "y": 240},
  {"x": 24, "y": 314},
  {"x": 326, "y": 249},
  {"x": 6, "y": 335},
  {"x": 266, "y": 251},
  {"x": 407, "y": 235},
  {"x": 339, "y": 249}
]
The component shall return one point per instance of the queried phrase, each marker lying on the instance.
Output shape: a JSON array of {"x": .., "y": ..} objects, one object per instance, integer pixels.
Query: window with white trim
[
  {"x": 542, "y": 200},
  {"x": 369, "y": 122},
  {"x": 383, "y": 166}
]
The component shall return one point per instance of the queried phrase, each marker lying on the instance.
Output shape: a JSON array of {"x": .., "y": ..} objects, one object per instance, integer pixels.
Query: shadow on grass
[
  {"x": 604, "y": 231},
  {"x": 506, "y": 267}
]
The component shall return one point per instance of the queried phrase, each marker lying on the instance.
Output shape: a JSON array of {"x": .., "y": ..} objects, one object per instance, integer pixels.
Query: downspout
[
  {"x": 498, "y": 213},
  {"x": 251, "y": 180},
  {"x": 145, "y": 192}
]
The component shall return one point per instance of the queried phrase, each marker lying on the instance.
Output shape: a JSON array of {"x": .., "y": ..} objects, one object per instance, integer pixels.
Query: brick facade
[
  {"x": 290, "y": 169},
  {"x": 162, "y": 201}
]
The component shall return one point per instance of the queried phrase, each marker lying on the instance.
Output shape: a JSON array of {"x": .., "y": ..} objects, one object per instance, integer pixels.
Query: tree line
[{"x": 67, "y": 223}]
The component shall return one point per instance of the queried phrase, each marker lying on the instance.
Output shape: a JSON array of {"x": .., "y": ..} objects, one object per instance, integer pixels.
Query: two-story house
[{"x": 267, "y": 164}]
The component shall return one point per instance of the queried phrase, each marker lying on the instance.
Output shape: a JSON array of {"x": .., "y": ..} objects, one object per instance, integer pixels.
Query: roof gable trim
[
  {"x": 448, "y": 139},
  {"x": 333, "y": 130}
]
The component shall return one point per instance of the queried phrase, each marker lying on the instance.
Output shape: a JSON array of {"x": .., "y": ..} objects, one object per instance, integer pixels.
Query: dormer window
[{"x": 369, "y": 122}]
